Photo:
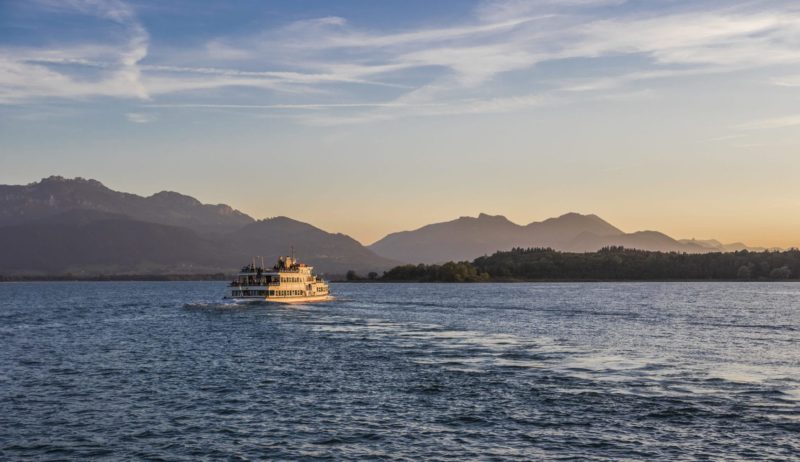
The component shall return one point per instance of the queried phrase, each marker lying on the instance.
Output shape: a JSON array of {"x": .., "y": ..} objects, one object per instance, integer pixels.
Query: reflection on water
[{"x": 409, "y": 372}]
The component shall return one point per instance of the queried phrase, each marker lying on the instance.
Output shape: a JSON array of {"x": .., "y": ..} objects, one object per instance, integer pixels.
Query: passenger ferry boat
[{"x": 289, "y": 281}]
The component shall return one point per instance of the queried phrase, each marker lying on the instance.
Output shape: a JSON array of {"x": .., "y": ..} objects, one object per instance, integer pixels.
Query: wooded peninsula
[{"x": 608, "y": 264}]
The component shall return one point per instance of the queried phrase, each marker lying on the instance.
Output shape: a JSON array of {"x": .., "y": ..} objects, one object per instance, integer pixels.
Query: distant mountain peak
[
  {"x": 77, "y": 225},
  {"x": 50, "y": 179},
  {"x": 56, "y": 194},
  {"x": 578, "y": 216},
  {"x": 651, "y": 233},
  {"x": 469, "y": 237},
  {"x": 717, "y": 246},
  {"x": 175, "y": 198},
  {"x": 282, "y": 219},
  {"x": 58, "y": 179},
  {"x": 573, "y": 223},
  {"x": 483, "y": 219},
  {"x": 167, "y": 194},
  {"x": 486, "y": 216}
]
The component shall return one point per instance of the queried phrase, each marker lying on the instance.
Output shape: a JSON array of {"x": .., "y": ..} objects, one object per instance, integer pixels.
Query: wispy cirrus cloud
[
  {"x": 428, "y": 71},
  {"x": 339, "y": 36},
  {"x": 786, "y": 81},
  {"x": 772, "y": 123},
  {"x": 141, "y": 117},
  {"x": 31, "y": 73}
]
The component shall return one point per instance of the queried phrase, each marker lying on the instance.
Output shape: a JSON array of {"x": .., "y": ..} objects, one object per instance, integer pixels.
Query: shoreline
[{"x": 214, "y": 278}]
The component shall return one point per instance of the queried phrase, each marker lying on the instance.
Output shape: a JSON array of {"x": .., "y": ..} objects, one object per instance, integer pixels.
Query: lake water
[{"x": 640, "y": 371}]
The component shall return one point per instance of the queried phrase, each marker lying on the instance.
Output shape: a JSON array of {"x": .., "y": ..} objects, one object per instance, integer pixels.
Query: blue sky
[{"x": 368, "y": 117}]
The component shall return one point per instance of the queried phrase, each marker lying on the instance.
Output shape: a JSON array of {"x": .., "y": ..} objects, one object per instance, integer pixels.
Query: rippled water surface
[{"x": 402, "y": 372}]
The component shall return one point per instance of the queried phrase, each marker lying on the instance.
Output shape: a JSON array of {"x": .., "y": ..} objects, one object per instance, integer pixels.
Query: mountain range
[
  {"x": 79, "y": 226},
  {"x": 54, "y": 195},
  {"x": 467, "y": 238}
]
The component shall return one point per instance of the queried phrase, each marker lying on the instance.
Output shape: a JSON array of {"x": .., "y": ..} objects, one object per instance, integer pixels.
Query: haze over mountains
[
  {"x": 55, "y": 195},
  {"x": 79, "y": 226},
  {"x": 467, "y": 238}
]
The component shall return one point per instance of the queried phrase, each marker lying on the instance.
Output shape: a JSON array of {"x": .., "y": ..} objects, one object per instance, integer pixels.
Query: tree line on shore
[
  {"x": 608, "y": 264},
  {"x": 545, "y": 264}
]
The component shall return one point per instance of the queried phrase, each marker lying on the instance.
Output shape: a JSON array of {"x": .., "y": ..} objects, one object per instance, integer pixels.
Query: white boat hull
[{"x": 284, "y": 300}]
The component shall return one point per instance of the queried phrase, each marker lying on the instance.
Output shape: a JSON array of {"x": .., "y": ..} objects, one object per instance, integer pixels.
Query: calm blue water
[{"x": 680, "y": 371}]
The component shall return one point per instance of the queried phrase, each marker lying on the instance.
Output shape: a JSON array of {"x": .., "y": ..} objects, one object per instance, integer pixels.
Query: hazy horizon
[
  {"x": 521, "y": 222},
  {"x": 369, "y": 118}
]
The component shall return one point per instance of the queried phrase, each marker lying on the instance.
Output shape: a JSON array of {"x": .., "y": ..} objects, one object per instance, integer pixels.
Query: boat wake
[{"x": 224, "y": 304}]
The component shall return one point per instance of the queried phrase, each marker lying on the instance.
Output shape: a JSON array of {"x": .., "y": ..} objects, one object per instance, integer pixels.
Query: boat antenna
[
  {"x": 292, "y": 253},
  {"x": 262, "y": 261}
]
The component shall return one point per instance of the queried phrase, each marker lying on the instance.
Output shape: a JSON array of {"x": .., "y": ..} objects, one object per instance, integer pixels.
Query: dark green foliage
[
  {"x": 780, "y": 273},
  {"x": 745, "y": 272},
  {"x": 448, "y": 272},
  {"x": 611, "y": 263}
]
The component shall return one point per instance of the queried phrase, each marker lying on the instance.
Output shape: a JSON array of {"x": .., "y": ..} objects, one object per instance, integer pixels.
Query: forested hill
[{"x": 608, "y": 264}]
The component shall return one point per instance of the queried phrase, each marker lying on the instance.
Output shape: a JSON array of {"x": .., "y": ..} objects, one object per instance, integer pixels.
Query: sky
[{"x": 367, "y": 117}]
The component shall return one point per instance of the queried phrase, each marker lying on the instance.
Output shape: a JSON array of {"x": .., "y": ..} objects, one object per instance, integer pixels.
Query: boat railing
[{"x": 254, "y": 283}]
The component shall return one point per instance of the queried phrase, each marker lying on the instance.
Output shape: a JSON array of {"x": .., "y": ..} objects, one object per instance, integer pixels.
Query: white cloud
[
  {"x": 427, "y": 71},
  {"x": 498, "y": 10},
  {"x": 678, "y": 44},
  {"x": 277, "y": 106},
  {"x": 356, "y": 39},
  {"x": 141, "y": 117},
  {"x": 772, "y": 123},
  {"x": 422, "y": 107},
  {"x": 218, "y": 50},
  {"x": 787, "y": 81},
  {"x": 27, "y": 73}
]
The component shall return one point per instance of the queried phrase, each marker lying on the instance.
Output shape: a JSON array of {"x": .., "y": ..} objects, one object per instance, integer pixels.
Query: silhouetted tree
[
  {"x": 780, "y": 273},
  {"x": 610, "y": 263},
  {"x": 352, "y": 276},
  {"x": 744, "y": 272}
]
